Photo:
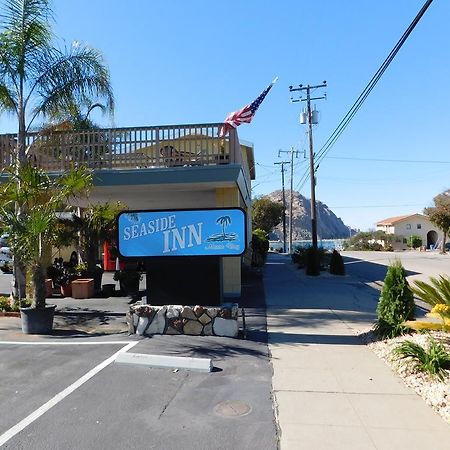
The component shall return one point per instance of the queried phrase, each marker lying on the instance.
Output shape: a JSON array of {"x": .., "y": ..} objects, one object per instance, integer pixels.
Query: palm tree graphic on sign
[{"x": 224, "y": 222}]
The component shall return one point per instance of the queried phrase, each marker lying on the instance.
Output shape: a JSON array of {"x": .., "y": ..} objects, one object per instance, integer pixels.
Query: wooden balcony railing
[{"x": 127, "y": 148}]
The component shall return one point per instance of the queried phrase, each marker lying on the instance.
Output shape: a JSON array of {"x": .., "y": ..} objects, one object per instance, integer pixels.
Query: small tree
[
  {"x": 337, "y": 264},
  {"x": 414, "y": 241},
  {"x": 439, "y": 214},
  {"x": 260, "y": 247},
  {"x": 266, "y": 214},
  {"x": 396, "y": 304},
  {"x": 39, "y": 198}
]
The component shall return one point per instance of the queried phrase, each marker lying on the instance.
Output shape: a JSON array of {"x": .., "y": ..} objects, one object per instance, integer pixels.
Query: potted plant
[
  {"x": 128, "y": 279},
  {"x": 96, "y": 225},
  {"x": 29, "y": 201}
]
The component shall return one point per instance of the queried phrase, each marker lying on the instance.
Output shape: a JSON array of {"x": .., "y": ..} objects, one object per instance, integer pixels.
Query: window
[
  {"x": 405, "y": 241},
  {"x": 408, "y": 226},
  {"x": 419, "y": 226}
]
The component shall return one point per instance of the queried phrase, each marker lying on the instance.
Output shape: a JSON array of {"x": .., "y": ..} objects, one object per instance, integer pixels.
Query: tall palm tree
[{"x": 38, "y": 79}]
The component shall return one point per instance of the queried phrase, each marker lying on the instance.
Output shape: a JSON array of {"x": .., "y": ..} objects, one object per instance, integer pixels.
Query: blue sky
[{"x": 193, "y": 62}]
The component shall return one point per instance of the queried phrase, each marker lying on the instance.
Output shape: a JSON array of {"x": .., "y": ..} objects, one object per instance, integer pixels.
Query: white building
[{"x": 403, "y": 227}]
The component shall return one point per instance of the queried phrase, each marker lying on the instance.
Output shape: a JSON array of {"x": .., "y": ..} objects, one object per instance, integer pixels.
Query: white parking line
[
  {"x": 5, "y": 437},
  {"x": 66, "y": 343}
]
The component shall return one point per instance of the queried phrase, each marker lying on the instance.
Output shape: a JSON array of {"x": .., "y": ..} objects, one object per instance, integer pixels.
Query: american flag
[{"x": 244, "y": 115}]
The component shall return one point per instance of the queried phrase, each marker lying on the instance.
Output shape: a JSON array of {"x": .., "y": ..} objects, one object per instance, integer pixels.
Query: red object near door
[{"x": 109, "y": 257}]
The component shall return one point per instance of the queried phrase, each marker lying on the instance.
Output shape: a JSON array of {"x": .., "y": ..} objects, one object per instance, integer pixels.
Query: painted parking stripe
[
  {"x": 5, "y": 437},
  {"x": 67, "y": 343}
]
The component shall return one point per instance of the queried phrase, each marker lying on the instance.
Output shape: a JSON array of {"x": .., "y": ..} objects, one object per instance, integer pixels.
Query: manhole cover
[{"x": 232, "y": 408}]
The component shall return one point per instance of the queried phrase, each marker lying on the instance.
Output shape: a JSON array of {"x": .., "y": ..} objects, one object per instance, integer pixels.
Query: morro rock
[{"x": 329, "y": 226}]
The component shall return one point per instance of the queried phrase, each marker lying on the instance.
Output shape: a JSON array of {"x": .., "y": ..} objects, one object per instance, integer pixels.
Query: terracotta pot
[
  {"x": 83, "y": 288},
  {"x": 66, "y": 290},
  {"x": 49, "y": 287}
]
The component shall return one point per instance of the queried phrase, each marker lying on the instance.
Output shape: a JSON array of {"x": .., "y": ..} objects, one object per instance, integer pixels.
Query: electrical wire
[{"x": 325, "y": 149}]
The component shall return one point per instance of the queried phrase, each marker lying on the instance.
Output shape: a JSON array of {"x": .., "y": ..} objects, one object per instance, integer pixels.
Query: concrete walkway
[{"x": 331, "y": 391}]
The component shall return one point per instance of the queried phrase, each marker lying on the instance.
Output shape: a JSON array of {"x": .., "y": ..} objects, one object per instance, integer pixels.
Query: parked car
[{"x": 5, "y": 254}]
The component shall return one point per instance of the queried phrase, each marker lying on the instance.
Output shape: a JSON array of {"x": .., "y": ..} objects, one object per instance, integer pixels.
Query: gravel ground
[{"x": 435, "y": 392}]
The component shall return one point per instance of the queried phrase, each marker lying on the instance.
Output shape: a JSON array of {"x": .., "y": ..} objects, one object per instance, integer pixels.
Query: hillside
[{"x": 329, "y": 225}]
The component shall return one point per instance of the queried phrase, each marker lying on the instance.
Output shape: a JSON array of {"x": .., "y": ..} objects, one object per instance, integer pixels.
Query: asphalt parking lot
[{"x": 126, "y": 406}]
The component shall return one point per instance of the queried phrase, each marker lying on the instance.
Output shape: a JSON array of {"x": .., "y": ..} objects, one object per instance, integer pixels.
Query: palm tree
[
  {"x": 224, "y": 221},
  {"x": 39, "y": 198},
  {"x": 37, "y": 79},
  {"x": 40, "y": 80}
]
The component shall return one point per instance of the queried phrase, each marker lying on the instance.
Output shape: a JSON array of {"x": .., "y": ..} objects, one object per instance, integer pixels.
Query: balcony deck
[{"x": 127, "y": 148}]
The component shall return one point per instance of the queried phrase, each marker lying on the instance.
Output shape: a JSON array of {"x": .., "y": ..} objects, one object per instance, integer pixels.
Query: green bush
[
  {"x": 434, "y": 360},
  {"x": 5, "y": 305},
  {"x": 260, "y": 247},
  {"x": 312, "y": 261},
  {"x": 337, "y": 264},
  {"x": 396, "y": 304},
  {"x": 414, "y": 241}
]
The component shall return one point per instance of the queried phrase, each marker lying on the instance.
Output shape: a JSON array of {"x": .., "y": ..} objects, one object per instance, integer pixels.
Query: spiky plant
[
  {"x": 435, "y": 292},
  {"x": 434, "y": 360}
]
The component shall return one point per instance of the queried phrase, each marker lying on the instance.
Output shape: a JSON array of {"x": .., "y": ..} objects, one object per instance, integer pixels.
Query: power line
[{"x": 372, "y": 83}]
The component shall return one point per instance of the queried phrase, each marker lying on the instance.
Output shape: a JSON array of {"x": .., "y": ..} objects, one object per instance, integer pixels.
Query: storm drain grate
[{"x": 232, "y": 408}]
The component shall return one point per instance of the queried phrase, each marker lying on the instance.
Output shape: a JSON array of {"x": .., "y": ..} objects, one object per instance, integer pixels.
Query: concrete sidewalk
[{"x": 331, "y": 391}]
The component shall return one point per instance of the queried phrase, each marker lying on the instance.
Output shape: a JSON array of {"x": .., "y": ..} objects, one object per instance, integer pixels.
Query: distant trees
[
  {"x": 266, "y": 214},
  {"x": 439, "y": 214},
  {"x": 370, "y": 240}
]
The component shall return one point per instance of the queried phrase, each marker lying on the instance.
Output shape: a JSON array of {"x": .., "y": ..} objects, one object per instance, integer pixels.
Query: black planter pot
[
  {"x": 37, "y": 320},
  {"x": 129, "y": 287},
  {"x": 97, "y": 275}
]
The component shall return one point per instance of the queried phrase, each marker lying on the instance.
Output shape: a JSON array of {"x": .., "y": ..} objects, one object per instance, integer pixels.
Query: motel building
[{"x": 188, "y": 196}]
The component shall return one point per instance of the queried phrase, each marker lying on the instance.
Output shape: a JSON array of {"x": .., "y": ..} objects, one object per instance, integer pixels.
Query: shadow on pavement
[{"x": 368, "y": 271}]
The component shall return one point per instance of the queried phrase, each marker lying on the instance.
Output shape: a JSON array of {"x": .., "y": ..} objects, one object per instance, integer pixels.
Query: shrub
[
  {"x": 396, "y": 304},
  {"x": 414, "y": 241},
  {"x": 312, "y": 261},
  {"x": 260, "y": 247},
  {"x": 299, "y": 257},
  {"x": 337, "y": 264},
  {"x": 5, "y": 305},
  {"x": 434, "y": 360}
]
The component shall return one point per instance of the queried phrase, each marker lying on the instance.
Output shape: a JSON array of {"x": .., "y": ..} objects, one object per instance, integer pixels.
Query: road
[{"x": 372, "y": 266}]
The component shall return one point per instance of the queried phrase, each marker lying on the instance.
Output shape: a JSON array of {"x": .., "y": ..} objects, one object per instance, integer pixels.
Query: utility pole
[
  {"x": 310, "y": 118},
  {"x": 282, "y": 163},
  {"x": 292, "y": 152}
]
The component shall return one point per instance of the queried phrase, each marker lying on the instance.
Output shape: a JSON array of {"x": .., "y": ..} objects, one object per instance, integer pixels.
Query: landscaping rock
[
  {"x": 225, "y": 327},
  {"x": 193, "y": 327},
  {"x": 204, "y": 319},
  {"x": 141, "y": 326},
  {"x": 158, "y": 324},
  {"x": 188, "y": 313}
]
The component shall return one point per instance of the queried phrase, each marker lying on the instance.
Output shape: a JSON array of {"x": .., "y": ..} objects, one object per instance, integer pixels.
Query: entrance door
[{"x": 432, "y": 238}]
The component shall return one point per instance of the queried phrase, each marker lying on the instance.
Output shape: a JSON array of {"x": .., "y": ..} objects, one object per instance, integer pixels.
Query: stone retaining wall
[{"x": 146, "y": 320}]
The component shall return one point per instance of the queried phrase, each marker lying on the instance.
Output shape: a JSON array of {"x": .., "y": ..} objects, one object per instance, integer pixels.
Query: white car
[{"x": 5, "y": 252}]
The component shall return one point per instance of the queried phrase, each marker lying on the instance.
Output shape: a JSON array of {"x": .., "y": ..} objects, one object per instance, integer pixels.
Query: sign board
[{"x": 199, "y": 232}]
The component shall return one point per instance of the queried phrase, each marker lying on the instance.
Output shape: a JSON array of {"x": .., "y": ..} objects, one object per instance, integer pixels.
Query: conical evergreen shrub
[
  {"x": 396, "y": 304},
  {"x": 337, "y": 264}
]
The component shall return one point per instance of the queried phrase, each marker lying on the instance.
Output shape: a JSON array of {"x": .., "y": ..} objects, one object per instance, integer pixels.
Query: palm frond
[
  {"x": 72, "y": 77},
  {"x": 436, "y": 291}
]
